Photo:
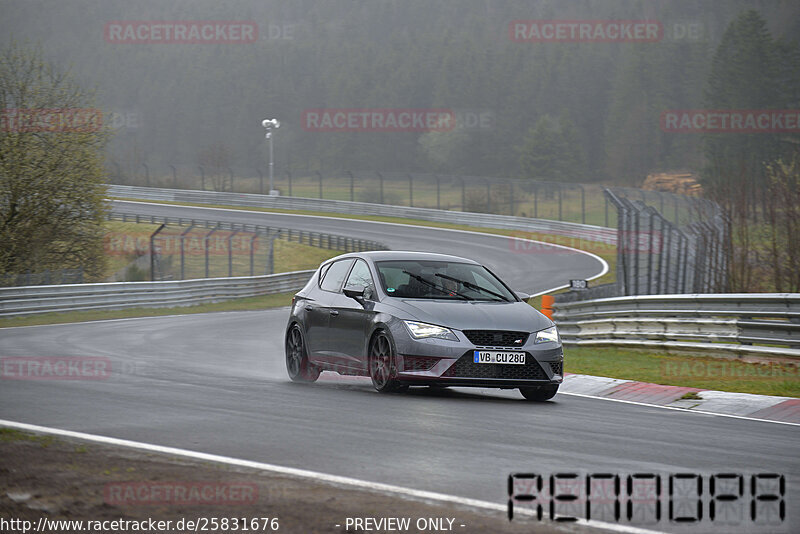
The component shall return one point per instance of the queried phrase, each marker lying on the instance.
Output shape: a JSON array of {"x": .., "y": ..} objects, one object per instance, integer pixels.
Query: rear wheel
[
  {"x": 297, "y": 364},
  {"x": 382, "y": 369},
  {"x": 541, "y": 393}
]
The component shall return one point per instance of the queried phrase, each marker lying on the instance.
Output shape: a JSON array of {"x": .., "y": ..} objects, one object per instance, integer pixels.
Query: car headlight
[
  {"x": 424, "y": 330},
  {"x": 548, "y": 334}
]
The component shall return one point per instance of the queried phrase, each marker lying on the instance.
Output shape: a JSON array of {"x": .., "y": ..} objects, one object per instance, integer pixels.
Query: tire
[
  {"x": 381, "y": 361},
  {"x": 297, "y": 364},
  {"x": 541, "y": 393}
]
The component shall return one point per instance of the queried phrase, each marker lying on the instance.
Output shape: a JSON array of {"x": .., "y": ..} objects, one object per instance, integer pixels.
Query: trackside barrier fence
[
  {"x": 757, "y": 324},
  {"x": 31, "y": 300}
]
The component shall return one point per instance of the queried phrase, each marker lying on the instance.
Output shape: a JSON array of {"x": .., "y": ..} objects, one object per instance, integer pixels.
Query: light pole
[{"x": 269, "y": 124}]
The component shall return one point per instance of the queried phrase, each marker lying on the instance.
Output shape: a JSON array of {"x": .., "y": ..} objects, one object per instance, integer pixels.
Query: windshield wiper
[
  {"x": 436, "y": 287},
  {"x": 470, "y": 285}
]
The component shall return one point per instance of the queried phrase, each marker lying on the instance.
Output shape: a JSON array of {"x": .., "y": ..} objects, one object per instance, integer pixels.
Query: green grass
[
  {"x": 703, "y": 372},
  {"x": 8, "y": 435},
  {"x": 243, "y": 304}
]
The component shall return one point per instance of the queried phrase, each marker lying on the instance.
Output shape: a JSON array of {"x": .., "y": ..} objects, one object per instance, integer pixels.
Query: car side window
[
  {"x": 334, "y": 276},
  {"x": 361, "y": 277}
]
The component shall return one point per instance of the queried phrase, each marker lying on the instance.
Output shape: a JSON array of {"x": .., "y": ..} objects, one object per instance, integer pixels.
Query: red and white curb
[{"x": 764, "y": 407}]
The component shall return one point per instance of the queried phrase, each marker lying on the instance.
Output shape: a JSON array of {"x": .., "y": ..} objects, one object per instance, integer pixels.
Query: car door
[
  {"x": 350, "y": 320},
  {"x": 318, "y": 310}
]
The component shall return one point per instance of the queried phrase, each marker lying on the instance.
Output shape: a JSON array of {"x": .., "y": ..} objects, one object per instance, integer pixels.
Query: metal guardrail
[
  {"x": 30, "y": 300},
  {"x": 488, "y": 220},
  {"x": 762, "y": 324}
]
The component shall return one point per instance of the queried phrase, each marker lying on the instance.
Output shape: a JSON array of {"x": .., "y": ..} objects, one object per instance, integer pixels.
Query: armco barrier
[
  {"x": 30, "y": 300},
  {"x": 488, "y": 220},
  {"x": 759, "y": 324}
]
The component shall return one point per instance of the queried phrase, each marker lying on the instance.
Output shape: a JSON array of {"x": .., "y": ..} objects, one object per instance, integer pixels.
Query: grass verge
[{"x": 703, "y": 372}]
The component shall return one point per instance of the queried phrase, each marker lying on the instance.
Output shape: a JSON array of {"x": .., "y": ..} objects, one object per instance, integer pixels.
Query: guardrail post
[
  {"x": 252, "y": 251},
  {"x": 230, "y": 252},
  {"x": 271, "y": 254},
  {"x": 153, "y": 252},
  {"x": 205, "y": 243},
  {"x": 183, "y": 234}
]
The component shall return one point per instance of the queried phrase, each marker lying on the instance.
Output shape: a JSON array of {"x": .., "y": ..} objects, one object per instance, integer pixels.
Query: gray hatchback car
[{"x": 420, "y": 319}]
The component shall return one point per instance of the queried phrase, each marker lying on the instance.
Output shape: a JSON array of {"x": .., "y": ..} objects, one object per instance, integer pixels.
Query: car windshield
[{"x": 449, "y": 280}]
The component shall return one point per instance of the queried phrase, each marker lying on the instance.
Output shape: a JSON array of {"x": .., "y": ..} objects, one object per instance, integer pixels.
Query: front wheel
[
  {"x": 297, "y": 364},
  {"x": 382, "y": 368},
  {"x": 541, "y": 393}
]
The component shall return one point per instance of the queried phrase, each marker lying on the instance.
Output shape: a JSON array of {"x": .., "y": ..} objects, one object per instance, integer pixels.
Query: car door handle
[
  {"x": 334, "y": 313},
  {"x": 309, "y": 308}
]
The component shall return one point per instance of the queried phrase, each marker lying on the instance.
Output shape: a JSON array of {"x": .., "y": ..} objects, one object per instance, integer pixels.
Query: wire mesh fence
[
  {"x": 659, "y": 256},
  {"x": 172, "y": 248},
  {"x": 570, "y": 202}
]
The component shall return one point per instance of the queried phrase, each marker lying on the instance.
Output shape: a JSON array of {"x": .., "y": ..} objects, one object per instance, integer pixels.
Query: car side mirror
[
  {"x": 356, "y": 293},
  {"x": 524, "y": 297}
]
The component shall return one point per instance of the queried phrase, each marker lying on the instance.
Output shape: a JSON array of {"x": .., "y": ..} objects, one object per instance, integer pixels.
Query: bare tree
[
  {"x": 52, "y": 145},
  {"x": 215, "y": 160}
]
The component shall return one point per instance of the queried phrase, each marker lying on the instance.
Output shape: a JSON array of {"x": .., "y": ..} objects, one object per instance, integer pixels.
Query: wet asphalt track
[{"x": 216, "y": 383}]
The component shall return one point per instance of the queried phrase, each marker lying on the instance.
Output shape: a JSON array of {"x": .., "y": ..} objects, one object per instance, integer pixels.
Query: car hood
[{"x": 472, "y": 315}]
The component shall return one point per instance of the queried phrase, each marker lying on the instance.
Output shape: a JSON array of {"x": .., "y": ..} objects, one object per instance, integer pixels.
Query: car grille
[
  {"x": 496, "y": 338},
  {"x": 557, "y": 367},
  {"x": 465, "y": 367},
  {"x": 418, "y": 363}
]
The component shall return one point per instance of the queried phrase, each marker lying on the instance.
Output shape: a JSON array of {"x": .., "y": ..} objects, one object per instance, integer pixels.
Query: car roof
[{"x": 389, "y": 255}]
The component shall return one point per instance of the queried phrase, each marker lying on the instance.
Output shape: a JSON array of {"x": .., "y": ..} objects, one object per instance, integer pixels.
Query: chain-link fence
[
  {"x": 659, "y": 256},
  {"x": 571, "y": 202},
  {"x": 172, "y": 248}
]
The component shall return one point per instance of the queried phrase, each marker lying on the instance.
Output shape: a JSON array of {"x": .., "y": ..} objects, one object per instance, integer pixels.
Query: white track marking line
[
  {"x": 303, "y": 473},
  {"x": 367, "y": 221},
  {"x": 683, "y": 410}
]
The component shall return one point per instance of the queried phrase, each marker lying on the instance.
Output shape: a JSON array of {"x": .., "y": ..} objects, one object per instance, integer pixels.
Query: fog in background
[{"x": 602, "y": 100}]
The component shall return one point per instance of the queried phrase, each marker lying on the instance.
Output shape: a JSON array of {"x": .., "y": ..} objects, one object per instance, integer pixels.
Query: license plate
[{"x": 491, "y": 356}]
